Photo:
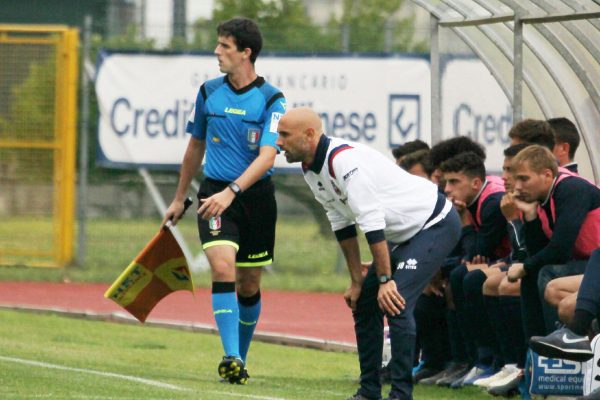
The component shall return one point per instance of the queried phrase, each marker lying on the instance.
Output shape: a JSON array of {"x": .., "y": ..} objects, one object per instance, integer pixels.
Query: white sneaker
[
  {"x": 513, "y": 373},
  {"x": 473, "y": 372},
  {"x": 500, "y": 375}
]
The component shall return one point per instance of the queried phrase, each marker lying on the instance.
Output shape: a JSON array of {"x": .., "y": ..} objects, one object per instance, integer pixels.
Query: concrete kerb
[{"x": 124, "y": 318}]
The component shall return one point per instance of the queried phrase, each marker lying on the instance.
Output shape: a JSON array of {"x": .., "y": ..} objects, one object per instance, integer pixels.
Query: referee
[
  {"x": 410, "y": 229},
  {"x": 234, "y": 128}
]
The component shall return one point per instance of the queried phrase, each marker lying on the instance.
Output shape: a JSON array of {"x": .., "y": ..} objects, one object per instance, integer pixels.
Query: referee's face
[{"x": 228, "y": 55}]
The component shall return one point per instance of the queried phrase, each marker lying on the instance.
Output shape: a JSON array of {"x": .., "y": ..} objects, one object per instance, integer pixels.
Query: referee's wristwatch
[
  {"x": 235, "y": 188},
  {"x": 384, "y": 279}
]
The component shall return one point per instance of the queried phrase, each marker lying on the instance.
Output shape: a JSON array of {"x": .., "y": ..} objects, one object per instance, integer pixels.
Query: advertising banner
[{"x": 145, "y": 101}]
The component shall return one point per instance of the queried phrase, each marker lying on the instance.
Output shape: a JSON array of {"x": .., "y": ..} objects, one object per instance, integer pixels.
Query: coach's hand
[
  {"x": 352, "y": 294},
  {"x": 216, "y": 204},
  {"x": 390, "y": 300}
]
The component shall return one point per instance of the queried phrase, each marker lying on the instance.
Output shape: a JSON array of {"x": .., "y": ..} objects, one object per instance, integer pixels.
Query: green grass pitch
[{"x": 47, "y": 356}]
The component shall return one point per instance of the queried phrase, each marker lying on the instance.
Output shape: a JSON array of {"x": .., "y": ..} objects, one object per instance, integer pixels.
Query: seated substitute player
[
  {"x": 477, "y": 198},
  {"x": 410, "y": 229},
  {"x": 504, "y": 306},
  {"x": 234, "y": 124},
  {"x": 566, "y": 141},
  {"x": 460, "y": 346},
  {"x": 408, "y": 148},
  {"x": 571, "y": 341},
  {"x": 419, "y": 164},
  {"x": 562, "y": 228},
  {"x": 532, "y": 131},
  {"x": 562, "y": 294}
]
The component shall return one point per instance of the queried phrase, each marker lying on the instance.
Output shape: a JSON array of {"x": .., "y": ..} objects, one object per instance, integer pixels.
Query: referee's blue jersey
[{"x": 235, "y": 124}]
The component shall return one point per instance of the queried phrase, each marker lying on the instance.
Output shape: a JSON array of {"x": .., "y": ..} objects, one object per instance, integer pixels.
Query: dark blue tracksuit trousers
[
  {"x": 413, "y": 263},
  {"x": 588, "y": 297},
  {"x": 548, "y": 273}
]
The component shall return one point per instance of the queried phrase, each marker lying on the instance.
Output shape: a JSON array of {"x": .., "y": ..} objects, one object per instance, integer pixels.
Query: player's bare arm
[
  {"x": 389, "y": 299},
  {"x": 192, "y": 159},
  {"x": 352, "y": 255}
]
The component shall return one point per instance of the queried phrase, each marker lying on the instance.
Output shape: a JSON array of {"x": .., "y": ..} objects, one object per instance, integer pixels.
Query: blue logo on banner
[{"x": 404, "y": 118}]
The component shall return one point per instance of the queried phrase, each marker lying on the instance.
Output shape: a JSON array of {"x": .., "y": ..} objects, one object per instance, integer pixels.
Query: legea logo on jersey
[
  {"x": 236, "y": 111},
  {"x": 253, "y": 137},
  {"x": 404, "y": 118}
]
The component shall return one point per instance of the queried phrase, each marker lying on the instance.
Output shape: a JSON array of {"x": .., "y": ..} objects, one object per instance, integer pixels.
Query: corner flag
[{"x": 159, "y": 269}]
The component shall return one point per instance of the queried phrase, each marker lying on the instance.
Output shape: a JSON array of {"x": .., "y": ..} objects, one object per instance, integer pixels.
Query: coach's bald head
[{"x": 300, "y": 130}]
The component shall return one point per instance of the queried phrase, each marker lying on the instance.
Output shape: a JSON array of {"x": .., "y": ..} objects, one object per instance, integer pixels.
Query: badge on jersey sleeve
[{"x": 253, "y": 138}]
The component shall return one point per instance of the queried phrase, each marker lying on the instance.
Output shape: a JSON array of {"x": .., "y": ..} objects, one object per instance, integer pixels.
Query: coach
[{"x": 410, "y": 229}]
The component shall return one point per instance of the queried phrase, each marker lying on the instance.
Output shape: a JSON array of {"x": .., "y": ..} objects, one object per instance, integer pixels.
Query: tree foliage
[
  {"x": 364, "y": 26},
  {"x": 30, "y": 117}
]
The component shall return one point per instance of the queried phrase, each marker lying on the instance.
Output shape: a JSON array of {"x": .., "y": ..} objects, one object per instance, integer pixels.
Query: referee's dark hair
[
  {"x": 468, "y": 163},
  {"x": 565, "y": 131},
  {"x": 246, "y": 34}
]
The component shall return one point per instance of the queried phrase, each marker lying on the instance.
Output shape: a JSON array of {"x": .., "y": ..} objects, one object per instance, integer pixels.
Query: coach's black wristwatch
[
  {"x": 235, "y": 188},
  {"x": 384, "y": 279}
]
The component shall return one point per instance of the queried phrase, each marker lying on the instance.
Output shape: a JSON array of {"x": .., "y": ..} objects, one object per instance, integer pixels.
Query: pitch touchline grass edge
[{"x": 121, "y": 317}]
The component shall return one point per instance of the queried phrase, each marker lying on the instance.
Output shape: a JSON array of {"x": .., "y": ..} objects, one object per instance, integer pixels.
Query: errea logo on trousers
[{"x": 411, "y": 263}]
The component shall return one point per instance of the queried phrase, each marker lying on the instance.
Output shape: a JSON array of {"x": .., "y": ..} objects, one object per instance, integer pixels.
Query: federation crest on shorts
[
  {"x": 253, "y": 137},
  {"x": 214, "y": 224}
]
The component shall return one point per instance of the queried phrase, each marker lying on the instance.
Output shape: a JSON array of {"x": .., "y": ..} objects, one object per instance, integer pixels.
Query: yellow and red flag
[{"x": 160, "y": 269}]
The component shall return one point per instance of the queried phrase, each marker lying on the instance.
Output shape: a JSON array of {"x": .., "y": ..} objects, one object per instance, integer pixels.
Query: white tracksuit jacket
[{"x": 358, "y": 185}]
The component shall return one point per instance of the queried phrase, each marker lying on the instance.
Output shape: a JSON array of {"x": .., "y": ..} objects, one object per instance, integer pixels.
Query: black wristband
[
  {"x": 234, "y": 187},
  {"x": 345, "y": 233},
  {"x": 375, "y": 236}
]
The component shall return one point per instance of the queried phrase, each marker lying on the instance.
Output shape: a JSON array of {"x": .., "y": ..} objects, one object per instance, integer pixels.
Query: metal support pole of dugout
[
  {"x": 83, "y": 143},
  {"x": 436, "y": 81}
]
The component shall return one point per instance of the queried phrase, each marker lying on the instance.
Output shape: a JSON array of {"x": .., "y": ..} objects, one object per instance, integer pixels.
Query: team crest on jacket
[
  {"x": 214, "y": 225},
  {"x": 253, "y": 137},
  {"x": 335, "y": 188}
]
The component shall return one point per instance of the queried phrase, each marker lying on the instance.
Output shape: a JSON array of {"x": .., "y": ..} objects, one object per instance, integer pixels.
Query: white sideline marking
[
  {"x": 92, "y": 372},
  {"x": 80, "y": 396},
  {"x": 127, "y": 378}
]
